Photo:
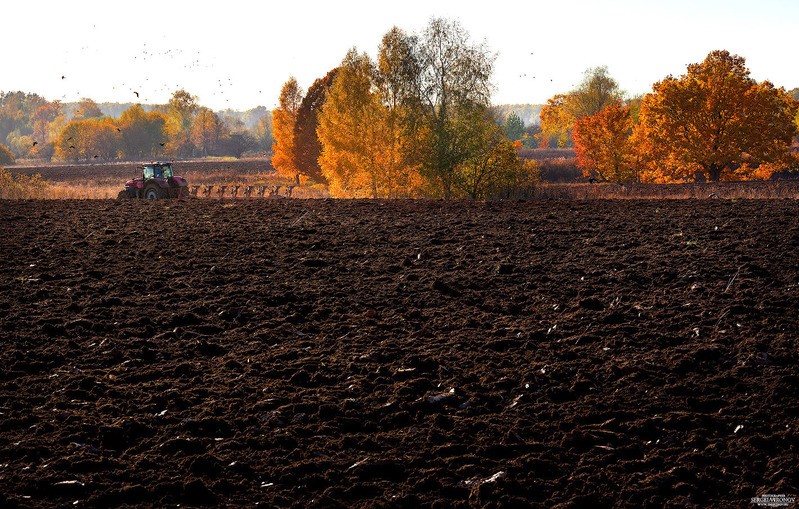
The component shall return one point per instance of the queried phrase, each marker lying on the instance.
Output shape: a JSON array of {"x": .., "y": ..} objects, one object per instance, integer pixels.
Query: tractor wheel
[{"x": 152, "y": 193}]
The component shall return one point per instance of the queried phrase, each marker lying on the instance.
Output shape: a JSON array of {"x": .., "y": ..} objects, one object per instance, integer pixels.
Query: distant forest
[{"x": 33, "y": 128}]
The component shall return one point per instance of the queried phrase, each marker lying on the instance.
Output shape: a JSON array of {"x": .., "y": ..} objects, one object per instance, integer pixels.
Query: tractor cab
[
  {"x": 157, "y": 170},
  {"x": 157, "y": 181}
]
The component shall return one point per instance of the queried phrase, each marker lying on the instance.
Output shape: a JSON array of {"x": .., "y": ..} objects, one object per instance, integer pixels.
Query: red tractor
[{"x": 156, "y": 182}]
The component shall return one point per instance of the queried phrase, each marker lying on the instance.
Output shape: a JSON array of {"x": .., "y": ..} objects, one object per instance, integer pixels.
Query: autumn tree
[
  {"x": 181, "y": 109},
  {"x": 557, "y": 120},
  {"x": 596, "y": 91},
  {"x": 87, "y": 108},
  {"x": 6, "y": 156},
  {"x": 284, "y": 117},
  {"x": 603, "y": 145},
  {"x": 16, "y": 111},
  {"x": 141, "y": 132},
  {"x": 360, "y": 148},
  {"x": 717, "y": 122},
  {"x": 104, "y": 139},
  {"x": 206, "y": 131},
  {"x": 46, "y": 121},
  {"x": 88, "y": 139},
  {"x": 411, "y": 120},
  {"x": 307, "y": 146},
  {"x": 795, "y": 94}
]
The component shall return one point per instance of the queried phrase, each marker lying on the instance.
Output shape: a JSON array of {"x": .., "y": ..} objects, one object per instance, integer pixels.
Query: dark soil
[{"x": 398, "y": 354}]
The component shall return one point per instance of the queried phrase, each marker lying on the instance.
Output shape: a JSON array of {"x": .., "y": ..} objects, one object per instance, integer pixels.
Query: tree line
[
  {"x": 33, "y": 127},
  {"x": 713, "y": 123},
  {"x": 417, "y": 121}
]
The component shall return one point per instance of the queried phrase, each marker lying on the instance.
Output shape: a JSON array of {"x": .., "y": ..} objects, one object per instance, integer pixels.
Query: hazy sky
[{"x": 237, "y": 54}]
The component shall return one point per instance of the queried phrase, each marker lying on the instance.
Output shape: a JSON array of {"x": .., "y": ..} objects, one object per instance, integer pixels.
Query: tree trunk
[{"x": 714, "y": 173}]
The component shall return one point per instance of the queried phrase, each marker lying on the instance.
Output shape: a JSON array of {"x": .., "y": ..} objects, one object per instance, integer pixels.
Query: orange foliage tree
[
  {"x": 603, "y": 144},
  {"x": 284, "y": 118},
  {"x": 597, "y": 90},
  {"x": 88, "y": 139},
  {"x": 181, "y": 110},
  {"x": 360, "y": 139},
  {"x": 206, "y": 131},
  {"x": 715, "y": 121},
  {"x": 142, "y": 132}
]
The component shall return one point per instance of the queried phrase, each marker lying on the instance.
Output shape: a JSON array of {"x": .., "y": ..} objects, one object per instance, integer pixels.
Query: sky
[{"x": 237, "y": 54}]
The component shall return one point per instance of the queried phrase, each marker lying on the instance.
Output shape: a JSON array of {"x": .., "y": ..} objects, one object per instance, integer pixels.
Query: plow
[{"x": 247, "y": 192}]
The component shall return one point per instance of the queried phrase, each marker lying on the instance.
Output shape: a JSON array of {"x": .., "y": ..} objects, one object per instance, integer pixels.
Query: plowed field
[{"x": 299, "y": 353}]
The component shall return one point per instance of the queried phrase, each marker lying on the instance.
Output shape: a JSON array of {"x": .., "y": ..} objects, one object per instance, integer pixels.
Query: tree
[
  {"x": 494, "y": 169},
  {"x": 717, "y": 122},
  {"x": 557, "y": 119},
  {"x": 181, "y": 109},
  {"x": 87, "y": 108},
  {"x": 104, "y": 139},
  {"x": 142, "y": 132},
  {"x": 284, "y": 117},
  {"x": 88, "y": 139},
  {"x": 206, "y": 131},
  {"x": 6, "y": 156},
  {"x": 514, "y": 127},
  {"x": 603, "y": 145},
  {"x": 595, "y": 92},
  {"x": 453, "y": 82},
  {"x": 307, "y": 147},
  {"x": 263, "y": 132},
  {"x": 398, "y": 68},
  {"x": 360, "y": 154}
]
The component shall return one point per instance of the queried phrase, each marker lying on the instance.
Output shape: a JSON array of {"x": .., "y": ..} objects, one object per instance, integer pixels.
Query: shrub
[
  {"x": 6, "y": 156},
  {"x": 21, "y": 186}
]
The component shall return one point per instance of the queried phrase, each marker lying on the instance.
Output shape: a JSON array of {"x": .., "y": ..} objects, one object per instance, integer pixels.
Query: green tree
[
  {"x": 453, "y": 84},
  {"x": 493, "y": 170},
  {"x": 596, "y": 91},
  {"x": 514, "y": 127}
]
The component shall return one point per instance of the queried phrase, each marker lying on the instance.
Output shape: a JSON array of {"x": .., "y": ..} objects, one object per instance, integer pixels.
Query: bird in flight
[
  {"x": 137, "y": 94},
  {"x": 35, "y": 143}
]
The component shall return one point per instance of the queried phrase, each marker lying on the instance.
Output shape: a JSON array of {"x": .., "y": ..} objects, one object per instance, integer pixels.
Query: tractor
[{"x": 156, "y": 182}]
